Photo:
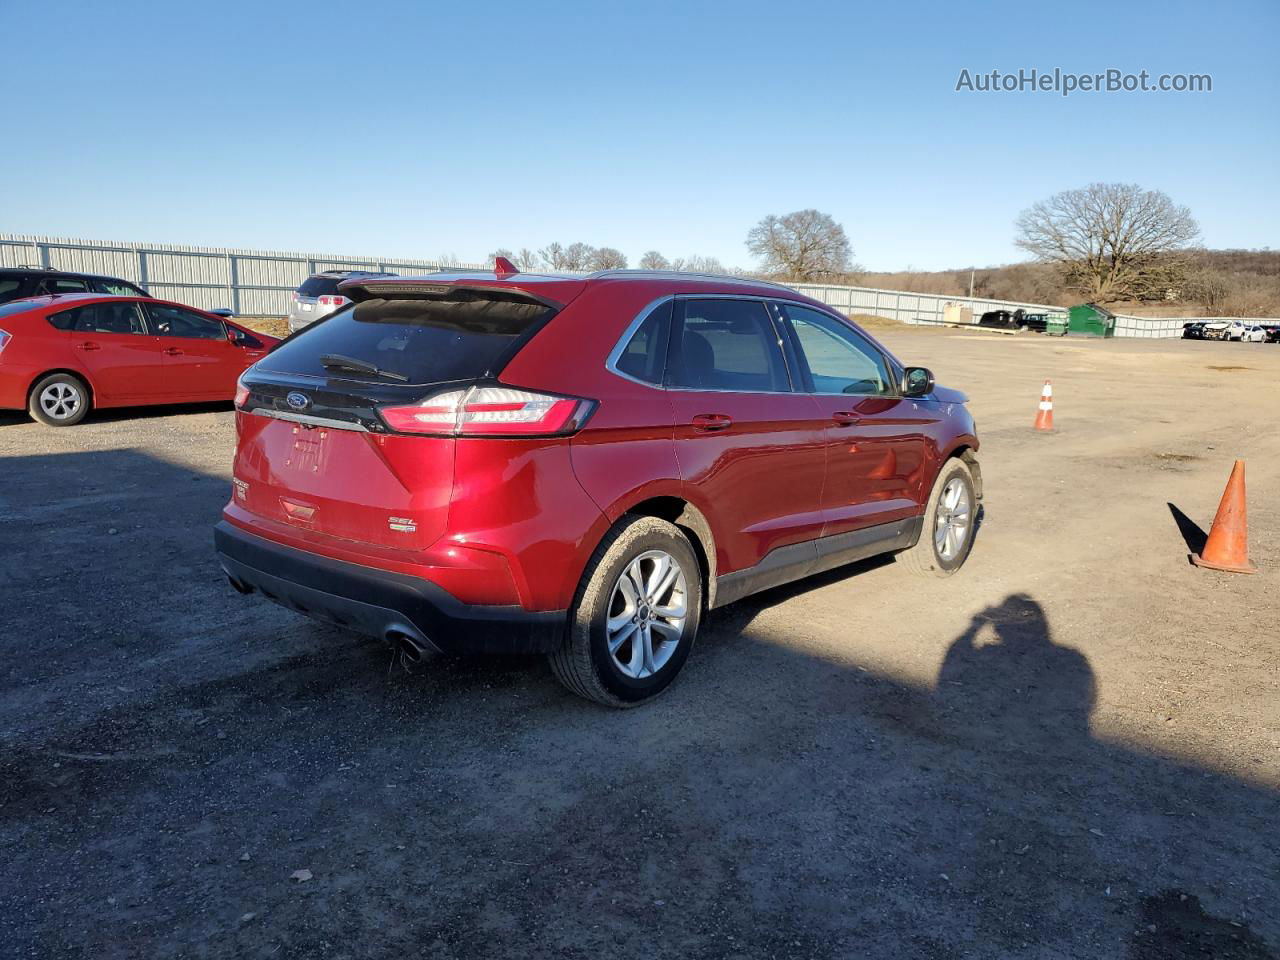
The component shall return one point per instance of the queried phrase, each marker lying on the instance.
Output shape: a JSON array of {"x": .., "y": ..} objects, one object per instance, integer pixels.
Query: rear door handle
[
  {"x": 172, "y": 352},
  {"x": 88, "y": 345},
  {"x": 711, "y": 422},
  {"x": 846, "y": 418}
]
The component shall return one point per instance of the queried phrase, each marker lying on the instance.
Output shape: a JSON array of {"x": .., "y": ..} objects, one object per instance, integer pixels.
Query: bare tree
[
  {"x": 698, "y": 264},
  {"x": 553, "y": 256},
  {"x": 803, "y": 246},
  {"x": 526, "y": 260},
  {"x": 653, "y": 260},
  {"x": 1112, "y": 241},
  {"x": 607, "y": 258},
  {"x": 500, "y": 252},
  {"x": 577, "y": 256}
]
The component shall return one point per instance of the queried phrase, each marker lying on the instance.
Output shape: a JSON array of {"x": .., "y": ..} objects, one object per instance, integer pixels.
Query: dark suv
[
  {"x": 583, "y": 466},
  {"x": 19, "y": 282}
]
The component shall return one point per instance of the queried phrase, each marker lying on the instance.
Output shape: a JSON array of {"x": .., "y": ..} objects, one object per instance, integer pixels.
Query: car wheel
[
  {"x": 635, "y": 615},
  {"x": 59, "y": 400},
  {"x": 950, "y": 520}
]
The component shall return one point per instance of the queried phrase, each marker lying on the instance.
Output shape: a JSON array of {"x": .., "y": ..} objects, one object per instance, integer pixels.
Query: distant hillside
[{"x": 1243, "y": 283}]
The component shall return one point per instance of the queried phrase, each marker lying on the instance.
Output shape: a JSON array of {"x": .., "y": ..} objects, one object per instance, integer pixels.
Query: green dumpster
[
  {"x": 1055, "y": 324},
  {"x": 1091, "y": 320}
]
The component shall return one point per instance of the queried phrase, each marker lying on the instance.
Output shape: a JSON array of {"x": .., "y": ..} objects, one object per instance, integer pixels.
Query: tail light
[
  {"x": 491, "y": 412},
  {"x": 334, "y": 301},
  {"x": 242, "y": 394},
  {"x": 5, "y": 337}
]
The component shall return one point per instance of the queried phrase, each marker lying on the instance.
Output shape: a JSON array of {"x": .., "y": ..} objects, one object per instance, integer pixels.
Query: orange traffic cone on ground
[
  {"x": 1228, "y": 545},
  {"x": 1044, "y": 418}
]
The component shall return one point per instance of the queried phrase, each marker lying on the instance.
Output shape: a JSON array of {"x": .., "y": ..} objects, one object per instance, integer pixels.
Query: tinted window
[
  {"x": 63, "y": 285},
  {"x": 176, "y": 322},
  {"x": 726, "y": 345},
  {"x": 839, "y": 360},
  {"x": 319, "y": 286},
  {"x": 117, "y": 288},
  {"x": 9, "y": 288},
  {"x": 427, "y": 341},
  {"x": 100, "y": 318},
  {"x": 645, "y": 354}
]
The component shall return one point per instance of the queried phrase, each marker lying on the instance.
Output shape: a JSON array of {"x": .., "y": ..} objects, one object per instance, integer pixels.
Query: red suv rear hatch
[{"x": 316, "y": 452}]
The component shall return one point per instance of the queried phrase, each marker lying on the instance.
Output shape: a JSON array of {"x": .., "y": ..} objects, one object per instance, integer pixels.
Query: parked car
[
  {"x": 1235, "y": 330},
  {"x": 582, "y": 466},
  {"x": 19, "y": 282},
  {"x": 1254, "y": 334},
  {"x": 318, "y": 296},
  {"x": 1272, "y": 331},
  {"x": 61, "y": 356},
  {"x": 1193, "y": 331},
  {"x": 1216, "y": 329}
]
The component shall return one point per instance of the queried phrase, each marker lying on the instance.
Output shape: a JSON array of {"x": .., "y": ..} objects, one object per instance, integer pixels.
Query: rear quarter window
[{"x": 425, "y": 341}]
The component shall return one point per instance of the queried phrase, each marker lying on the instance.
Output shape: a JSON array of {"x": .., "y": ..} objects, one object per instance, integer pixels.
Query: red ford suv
[{"x": 582, "y": 466}]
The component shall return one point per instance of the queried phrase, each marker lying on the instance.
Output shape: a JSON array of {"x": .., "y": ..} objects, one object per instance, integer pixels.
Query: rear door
[
  {"x": 751, "y": 448},
  {"x": 875, "y": 438},
  {"x": 314, "y": 453},
  {"x": 111, "y": 342},
  {"x": 200, "y": 362}
]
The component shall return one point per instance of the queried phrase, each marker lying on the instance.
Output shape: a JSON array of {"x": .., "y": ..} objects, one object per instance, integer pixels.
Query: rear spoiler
[{"x": 553, "y": 292}]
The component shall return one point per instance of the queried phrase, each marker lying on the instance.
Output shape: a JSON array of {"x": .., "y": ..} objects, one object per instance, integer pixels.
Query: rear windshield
[
  {"x": 319, "y": 286},
  {"x": 425, "y": 341}
]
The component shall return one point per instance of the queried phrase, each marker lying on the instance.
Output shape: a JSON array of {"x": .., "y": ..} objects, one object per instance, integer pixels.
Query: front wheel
[
  {"x": 950, "y": 518},
  {"x": 635, "y": 616},
  {"x": 59, "y": 400}
]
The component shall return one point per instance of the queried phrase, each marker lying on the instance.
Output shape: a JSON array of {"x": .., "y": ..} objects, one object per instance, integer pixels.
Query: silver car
[{"x": 318, "y": 296}]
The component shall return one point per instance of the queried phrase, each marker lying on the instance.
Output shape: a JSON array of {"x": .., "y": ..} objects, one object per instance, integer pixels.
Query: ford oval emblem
[{"x": 297, "y": 400}]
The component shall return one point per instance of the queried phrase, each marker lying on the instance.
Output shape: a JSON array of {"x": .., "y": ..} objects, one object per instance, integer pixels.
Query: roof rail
[{"x": 682, "y": 275}]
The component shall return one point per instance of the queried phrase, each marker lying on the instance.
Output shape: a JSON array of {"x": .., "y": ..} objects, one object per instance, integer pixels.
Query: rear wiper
[{"x": 336, "y": 361}]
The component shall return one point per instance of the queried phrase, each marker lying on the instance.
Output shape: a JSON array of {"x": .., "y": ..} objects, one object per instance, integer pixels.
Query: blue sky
[{"x": 411, "y": 129}]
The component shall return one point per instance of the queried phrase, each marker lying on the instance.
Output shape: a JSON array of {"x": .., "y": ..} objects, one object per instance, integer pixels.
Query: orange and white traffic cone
[
  {"x": 1228, "y": 545},
  {"x": 1044, "y": 417}
]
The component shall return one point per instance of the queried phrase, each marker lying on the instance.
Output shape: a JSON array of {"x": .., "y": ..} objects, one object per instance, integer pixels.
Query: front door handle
[
  {"x": 88, "y": 345},
  {"x": 172, "y": 352},
  {"x": 711, "y": 422},
  {"x": 846, "y": 418}
]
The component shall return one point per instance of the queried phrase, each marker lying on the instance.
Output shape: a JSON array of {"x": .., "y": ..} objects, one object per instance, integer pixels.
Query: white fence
[
  {"x": 908, "y": 307},
  {"x": 258, "y": 282},
  {"x": 249, "y": 282}
]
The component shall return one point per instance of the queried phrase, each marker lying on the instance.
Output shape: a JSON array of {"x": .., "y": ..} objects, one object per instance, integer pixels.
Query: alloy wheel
[{"x": 647, "y": 613}]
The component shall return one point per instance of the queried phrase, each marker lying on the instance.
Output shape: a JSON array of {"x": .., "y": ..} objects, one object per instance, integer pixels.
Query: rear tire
[
  {"x": 635, "y": 615},
  {"x": 950, "y": 518},
  {"x": 59, "y": 400}
]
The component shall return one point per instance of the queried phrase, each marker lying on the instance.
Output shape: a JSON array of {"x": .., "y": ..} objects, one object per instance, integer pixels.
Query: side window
[
  {"x": 725, "y": 345},
  {"x": 9, "y": 288},
  {"x": 117, "y": 288},
  {"x": 839, "y": 360},
  {"x": 645, "y": 355},
  {"x": 176, "y": 322},
  {"x": 62, "y": 285},
  {"x": 100, "y": 318}
]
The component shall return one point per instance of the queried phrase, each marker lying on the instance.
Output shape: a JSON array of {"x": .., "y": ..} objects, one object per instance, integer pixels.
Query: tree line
[{"x": 1105, "y": 242}]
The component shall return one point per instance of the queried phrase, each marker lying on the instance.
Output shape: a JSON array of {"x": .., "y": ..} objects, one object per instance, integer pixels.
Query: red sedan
[{"x": 62, "y": 355}]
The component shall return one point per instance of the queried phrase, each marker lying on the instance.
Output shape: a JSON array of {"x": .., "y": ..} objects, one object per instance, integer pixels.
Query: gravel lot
[{"x": 1072, "y": 749}]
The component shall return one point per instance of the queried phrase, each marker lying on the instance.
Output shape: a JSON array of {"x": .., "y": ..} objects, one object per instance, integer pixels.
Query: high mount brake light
[{"x": 491, "y": 411}]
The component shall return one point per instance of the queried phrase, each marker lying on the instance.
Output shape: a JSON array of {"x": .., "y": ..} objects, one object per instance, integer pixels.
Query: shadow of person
[
  {"x": 1012, "y": 683},
  {"x": 1018, "y": 706}
]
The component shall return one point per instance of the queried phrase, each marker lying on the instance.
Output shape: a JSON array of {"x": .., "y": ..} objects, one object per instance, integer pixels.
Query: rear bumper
[{"x": 378, "y": 602}]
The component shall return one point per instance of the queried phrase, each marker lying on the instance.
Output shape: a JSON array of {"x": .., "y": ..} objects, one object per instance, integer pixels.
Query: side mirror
[{"x": 917, "y": 382}]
